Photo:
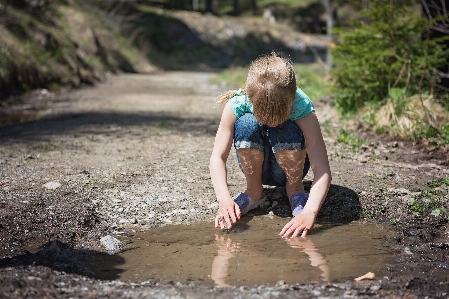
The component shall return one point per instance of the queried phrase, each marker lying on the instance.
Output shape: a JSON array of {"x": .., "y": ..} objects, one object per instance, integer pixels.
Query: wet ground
[{"x": 129, "y": 159}]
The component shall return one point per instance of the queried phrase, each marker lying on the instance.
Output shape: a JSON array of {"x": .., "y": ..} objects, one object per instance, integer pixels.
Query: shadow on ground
[
  {"x": 62, "y": 257},
  {"x": 101, "y": 122},
  {"x": 341, "y": 206}
]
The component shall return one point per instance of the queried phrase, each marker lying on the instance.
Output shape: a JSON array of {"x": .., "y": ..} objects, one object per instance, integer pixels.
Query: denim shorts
[{"x": 249, "y": 133}]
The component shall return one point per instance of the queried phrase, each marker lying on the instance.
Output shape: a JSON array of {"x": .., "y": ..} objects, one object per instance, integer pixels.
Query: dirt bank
[{"x": 132, "y": 153}]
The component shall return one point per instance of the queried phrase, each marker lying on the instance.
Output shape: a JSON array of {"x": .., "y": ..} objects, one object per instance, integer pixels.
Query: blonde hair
[{"x": 271, "y": 88}]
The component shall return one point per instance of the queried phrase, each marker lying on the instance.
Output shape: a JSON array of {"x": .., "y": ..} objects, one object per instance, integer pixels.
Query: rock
[
  {"x": 53, "y": 185},
  {"x": 361, "y": 158},
  {"x": 213, "y": 206},
  {"x": 374, "y": 288},
  {"x": 408, "y": 251},
  {"x": 316, "y": 293},
  {"x": 111, "y": 244}
]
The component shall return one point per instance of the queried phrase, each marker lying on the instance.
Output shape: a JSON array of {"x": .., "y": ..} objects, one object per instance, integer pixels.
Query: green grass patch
[
  {"x": 351, "y": 139},
  {"x": 432, "y": 201}
]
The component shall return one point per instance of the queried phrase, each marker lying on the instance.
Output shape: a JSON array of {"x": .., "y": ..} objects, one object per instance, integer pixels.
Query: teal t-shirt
[{"x": 302, "y": 105}]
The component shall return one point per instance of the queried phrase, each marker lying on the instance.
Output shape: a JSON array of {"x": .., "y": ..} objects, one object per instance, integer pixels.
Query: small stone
[
  {"x": 111, "y": 244},
  {"x": 408, "y": 251},
  {"x": 213, "y": 206},
  {"x": 133, "y": 221},
  {"x": 53, "y": 185},
  {"x": 316, "y": 293}
]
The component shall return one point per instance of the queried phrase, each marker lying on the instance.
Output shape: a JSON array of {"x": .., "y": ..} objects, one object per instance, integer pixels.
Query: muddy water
[{"x": 252, "y": 253}]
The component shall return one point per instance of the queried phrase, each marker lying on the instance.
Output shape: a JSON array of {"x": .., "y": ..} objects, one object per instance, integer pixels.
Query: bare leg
[
  {"x": 292, "y": 162},
  {"x": 251, "y": 161}
]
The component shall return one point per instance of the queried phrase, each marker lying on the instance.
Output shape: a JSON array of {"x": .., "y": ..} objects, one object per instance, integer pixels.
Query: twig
[
  {"x": 408, "y": 75},
  {"x": 400, "y": 73}
]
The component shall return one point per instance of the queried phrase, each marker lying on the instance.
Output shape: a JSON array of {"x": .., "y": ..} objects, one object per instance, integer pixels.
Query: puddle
[{"x": 251, "y": 254}]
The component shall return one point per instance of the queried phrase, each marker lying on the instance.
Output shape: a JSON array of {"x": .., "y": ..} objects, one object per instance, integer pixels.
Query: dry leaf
[{"x": 369, "y": 275}]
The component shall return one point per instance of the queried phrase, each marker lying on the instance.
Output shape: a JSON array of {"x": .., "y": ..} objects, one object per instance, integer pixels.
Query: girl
[{"x": 271, "y": 123}]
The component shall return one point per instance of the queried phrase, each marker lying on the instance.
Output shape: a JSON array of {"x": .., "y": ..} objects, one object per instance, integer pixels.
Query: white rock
[
  {"x": 111, "y": 244},
  {"x": 52, "y": 185},
  {"x": 213, "y": 206}
]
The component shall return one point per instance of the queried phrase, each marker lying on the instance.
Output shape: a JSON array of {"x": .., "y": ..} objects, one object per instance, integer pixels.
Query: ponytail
[{"x": 224, "y": 97}]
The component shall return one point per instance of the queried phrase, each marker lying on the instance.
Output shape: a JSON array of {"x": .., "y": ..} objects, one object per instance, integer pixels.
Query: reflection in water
[
  {"x": 316, "y": 259},
  {"x": 227, "y": 250}
]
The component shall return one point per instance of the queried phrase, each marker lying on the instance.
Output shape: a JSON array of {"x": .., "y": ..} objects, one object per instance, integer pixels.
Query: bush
[{"x": 388, "y": 48}]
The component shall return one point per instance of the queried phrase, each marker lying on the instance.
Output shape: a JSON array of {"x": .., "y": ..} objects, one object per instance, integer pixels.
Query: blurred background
[{"x": 383, "y": 63}]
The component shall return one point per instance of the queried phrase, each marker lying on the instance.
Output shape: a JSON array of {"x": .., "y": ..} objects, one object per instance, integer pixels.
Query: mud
[{"x": 130, "y": 156}]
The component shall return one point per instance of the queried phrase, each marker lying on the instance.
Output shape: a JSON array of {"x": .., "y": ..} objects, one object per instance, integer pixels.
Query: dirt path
[{"x": 132, "y": 153}]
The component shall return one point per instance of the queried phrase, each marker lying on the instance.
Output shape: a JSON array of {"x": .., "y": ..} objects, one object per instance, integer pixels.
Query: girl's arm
[
  {"x": 316, "y": 149},
  {"x": 228, "y": 210}
]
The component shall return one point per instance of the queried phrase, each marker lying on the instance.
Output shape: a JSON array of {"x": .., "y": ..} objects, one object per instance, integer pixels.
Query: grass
[
  {"x": 433, "y": 201},
  {"x": 309, "y": 78},
  {"x": 409, "y": 118},
  {"x": 351, "y": 139}
]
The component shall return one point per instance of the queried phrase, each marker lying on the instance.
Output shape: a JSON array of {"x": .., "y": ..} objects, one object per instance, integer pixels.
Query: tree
[
  {"x": 438, "y": 10},
  {"x": 385, "y": 50},
  {"x": 329, "y": 28}
]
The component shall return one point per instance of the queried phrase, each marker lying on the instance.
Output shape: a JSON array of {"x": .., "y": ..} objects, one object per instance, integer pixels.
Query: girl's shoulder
[
  {"x": 302, "y": 105},
  {"x": 240, "y": 104}
]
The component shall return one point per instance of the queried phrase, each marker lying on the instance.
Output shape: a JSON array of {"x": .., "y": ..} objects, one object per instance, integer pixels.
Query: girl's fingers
[
  {"x": 233, "y": 218},
  {"x": 286, "y": 228},
  {"x": 294, "y": 229},
  {"x": 227, "y": 216},
  {"x": 238, "y": 213},
  {"x": 305, "y": 231}
]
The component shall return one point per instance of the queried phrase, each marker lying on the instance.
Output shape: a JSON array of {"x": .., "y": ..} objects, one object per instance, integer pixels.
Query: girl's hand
[
  {"x": 301, "y": 224},
  {"x": 228, "y": 213}
]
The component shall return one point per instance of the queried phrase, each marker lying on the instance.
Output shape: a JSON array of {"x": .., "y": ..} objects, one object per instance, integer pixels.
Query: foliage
[
  {"x": 385, "y": 49},
  {"x": 406, "y": 117},
  {"x": 50, "y": 44},
  {"x": 433, "y": 201},
  {"x": 351, "y": 139}
]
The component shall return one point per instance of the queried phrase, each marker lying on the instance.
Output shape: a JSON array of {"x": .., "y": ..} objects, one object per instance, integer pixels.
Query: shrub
[{"x": 386, "y": 49}]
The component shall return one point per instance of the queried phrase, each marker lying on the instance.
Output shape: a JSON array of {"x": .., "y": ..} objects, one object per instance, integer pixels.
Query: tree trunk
[
  {"x": 209, "y": 7},
  {"x": 236, "y": 7},
  {"x": 254, "y": 7},
  {"x": 329, "y": 26}
]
